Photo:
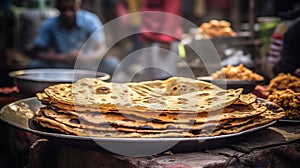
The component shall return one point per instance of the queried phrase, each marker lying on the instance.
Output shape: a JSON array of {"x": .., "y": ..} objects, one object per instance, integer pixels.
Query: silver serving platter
[
  {"x": 20, "y": 114},
  {"x": 247, "y": 85},
  {"x": 289, "y": 121}
]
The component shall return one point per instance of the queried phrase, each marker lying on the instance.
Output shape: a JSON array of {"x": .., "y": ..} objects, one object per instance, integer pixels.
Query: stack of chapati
[{"x": 176, "y": 107}]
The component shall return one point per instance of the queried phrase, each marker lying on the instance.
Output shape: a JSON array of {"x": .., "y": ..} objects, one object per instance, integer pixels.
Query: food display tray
[{"x": 20, "y": 114}]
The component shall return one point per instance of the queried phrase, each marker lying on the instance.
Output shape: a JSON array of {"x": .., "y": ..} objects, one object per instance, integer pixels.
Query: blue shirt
[{"x": 53, "y": 35}]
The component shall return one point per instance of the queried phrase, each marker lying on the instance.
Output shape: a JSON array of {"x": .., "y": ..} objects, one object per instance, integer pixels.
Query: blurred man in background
[
  {"x": 160, "y": 32},
  {"x": 61, "y": 38},
  {"x": 289, "y": 57}
]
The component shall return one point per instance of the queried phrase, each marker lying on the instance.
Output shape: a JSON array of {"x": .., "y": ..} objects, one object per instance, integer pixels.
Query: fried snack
[
  {"x": 288, "y": 100},
  {"x": 237, "y": 73},
  {"x": 215, "y": 28},
  {"x": 285, "y": 81}
]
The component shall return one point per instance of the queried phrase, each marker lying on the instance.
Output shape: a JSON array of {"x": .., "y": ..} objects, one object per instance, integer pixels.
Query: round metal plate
[
  {"x": 20, "y": 114},
  {"x": 247, "y": 85},
  {"x": 289, "y": 121}
]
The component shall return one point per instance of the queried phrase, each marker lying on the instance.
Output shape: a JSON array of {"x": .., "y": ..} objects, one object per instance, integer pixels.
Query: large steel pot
[{"x": 31, "y": 81}]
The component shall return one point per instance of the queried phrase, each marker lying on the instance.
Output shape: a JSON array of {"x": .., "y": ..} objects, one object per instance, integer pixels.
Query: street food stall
[
  {"x": 227, "y": 116},
  {"x": 132, "y": 124}
]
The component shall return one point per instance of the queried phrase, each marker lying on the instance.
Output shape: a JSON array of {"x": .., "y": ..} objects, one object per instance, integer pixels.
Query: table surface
[{"x": 275, "y": 146}]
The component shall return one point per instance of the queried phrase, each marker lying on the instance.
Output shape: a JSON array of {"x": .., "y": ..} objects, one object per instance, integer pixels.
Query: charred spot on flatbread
[{"x": 103, "y": 90}]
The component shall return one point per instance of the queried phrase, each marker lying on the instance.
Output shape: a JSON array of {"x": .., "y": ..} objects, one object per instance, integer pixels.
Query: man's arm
[{"x": 51, "y": 56}]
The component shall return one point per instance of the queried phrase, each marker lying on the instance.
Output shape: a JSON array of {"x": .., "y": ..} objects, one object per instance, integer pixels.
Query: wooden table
[{"x": 276, "y": 146}]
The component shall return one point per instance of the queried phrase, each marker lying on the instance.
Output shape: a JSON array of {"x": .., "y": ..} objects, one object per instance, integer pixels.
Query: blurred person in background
[
  {"x": 130, "y": 24},
  {"x": 288, "y": 58},
  {"x": 161, "y": 33},
  {"x": 7, "y": 35},
  {"x": 218, "y": 9},
  {"x": 60, "y": 39},
  {"x": 290, "y": 54},
  {"x": 276, "y": 45}
]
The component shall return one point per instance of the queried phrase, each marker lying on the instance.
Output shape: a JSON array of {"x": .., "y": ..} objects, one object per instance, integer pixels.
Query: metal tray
[
  {"x": 289, "y": 121},
  {"x": 20, "y": 114},
  {"x": 247, "y": 85}
]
